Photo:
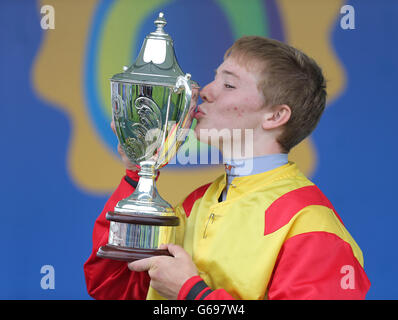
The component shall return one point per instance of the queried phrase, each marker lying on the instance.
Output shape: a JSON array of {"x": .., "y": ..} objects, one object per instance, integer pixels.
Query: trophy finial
[
  {"x": 160, "y": 22},
  {"x": 156, "y": 62}
]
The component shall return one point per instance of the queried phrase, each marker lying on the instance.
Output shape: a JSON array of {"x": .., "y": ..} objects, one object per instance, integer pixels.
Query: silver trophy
[{"x": 153, "y": 103}]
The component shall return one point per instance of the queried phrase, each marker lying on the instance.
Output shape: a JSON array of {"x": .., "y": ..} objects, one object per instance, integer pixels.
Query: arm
[
  {"x": 317, "y": 265},
  {"x": 196, "y": 289},
  {"x": 110, "y": 279},
  {"x": 175, "y": 277},
  {"x": 303, "y": 270}
]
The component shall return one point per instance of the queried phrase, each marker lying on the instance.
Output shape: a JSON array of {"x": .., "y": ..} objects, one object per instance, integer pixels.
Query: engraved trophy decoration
[{"x": 153, "y": 103}]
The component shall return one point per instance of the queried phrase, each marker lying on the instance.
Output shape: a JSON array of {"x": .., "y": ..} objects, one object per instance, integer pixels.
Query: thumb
[{"x": 176, "y": 251}]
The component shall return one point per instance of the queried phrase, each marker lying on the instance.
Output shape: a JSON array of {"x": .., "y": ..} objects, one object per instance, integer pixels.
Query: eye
[{"x": 228, "y": 86}]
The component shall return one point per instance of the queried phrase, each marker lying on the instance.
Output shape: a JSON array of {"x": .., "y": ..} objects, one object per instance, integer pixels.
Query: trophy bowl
[{"x": 153, "y": 103}]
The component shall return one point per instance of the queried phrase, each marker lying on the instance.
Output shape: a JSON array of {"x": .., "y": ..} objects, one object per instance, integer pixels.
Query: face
[{"x": 230, "y": 101}]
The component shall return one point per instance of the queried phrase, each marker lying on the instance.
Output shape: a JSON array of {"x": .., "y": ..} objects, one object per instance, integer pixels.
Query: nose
[{"x": 206, "y": 93}]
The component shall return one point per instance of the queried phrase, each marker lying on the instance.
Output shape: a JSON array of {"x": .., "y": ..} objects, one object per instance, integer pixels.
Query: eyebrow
[{"x": 230, "y": 73}]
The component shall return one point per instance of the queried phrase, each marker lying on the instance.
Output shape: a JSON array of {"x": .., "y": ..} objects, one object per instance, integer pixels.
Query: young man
[{"x": 265, "y": 234}]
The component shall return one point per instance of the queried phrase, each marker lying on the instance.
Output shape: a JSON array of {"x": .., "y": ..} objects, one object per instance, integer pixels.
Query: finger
[
  {"x": 142, "y": 265},
  {"x": 113, "y": 127},
  {"x": 120, "y": 150},
  {"x": 163, "y": 246}
]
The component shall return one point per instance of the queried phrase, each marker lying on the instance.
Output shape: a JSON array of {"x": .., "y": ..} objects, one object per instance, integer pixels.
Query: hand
[
  {"x": 125, "y": 159},
  {"x": 168, "y": 274}
]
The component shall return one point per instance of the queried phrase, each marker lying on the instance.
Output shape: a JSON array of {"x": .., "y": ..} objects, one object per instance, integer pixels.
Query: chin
[
  {"x": 204, "y": 138},
  {"x": 197, "y": 130},
  {"x": 201, "y": 137}
]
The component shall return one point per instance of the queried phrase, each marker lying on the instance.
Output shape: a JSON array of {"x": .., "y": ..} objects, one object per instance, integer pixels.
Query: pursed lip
[{"x": 199, "y": 113}]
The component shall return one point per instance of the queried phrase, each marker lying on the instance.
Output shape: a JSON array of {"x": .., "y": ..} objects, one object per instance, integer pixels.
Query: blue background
[{"x": 45, "y": 219}]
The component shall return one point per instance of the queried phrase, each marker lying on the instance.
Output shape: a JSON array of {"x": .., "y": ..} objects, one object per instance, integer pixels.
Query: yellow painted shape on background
[
  {"x": 120, "y": 27},
  {"x": 58, "y": 76}
]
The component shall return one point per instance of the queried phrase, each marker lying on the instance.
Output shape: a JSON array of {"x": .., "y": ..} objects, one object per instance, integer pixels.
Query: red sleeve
[
  {"x": 196, "y": 289},
  {"x": 317, "y": 265},
  {"x": 110, "y": 279}
]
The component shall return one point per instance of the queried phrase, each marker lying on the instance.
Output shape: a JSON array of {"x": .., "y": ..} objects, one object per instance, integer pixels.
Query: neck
[{"x": 250, "y": 150}]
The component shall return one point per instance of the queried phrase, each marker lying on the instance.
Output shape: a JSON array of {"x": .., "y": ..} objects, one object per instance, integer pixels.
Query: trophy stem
[
  {"x": 145, "y": 199},
  {"x": 134, "y": 231},
  {"x": 146, "y": 187}
]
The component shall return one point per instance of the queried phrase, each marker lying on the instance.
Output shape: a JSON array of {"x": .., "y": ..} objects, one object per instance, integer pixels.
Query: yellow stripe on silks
[
  {"x": 167, "y": 234},
  {"x": 319, "y": 218}
]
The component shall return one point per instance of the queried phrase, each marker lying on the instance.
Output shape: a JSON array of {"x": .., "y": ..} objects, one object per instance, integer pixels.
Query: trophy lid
[{"x": 156, "y": 63}]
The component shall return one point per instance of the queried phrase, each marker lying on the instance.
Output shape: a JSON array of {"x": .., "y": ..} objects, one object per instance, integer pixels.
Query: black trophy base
[{"x": 129, "y": 254}]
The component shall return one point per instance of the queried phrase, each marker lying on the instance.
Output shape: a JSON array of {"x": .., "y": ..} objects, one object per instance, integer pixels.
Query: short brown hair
[{"x": 288, "y": 76}]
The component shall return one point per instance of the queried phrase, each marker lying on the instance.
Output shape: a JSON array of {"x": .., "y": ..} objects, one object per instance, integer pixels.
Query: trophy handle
[
  {"x": 184, "y": 83},
  {"x": 173, "y": 136}
]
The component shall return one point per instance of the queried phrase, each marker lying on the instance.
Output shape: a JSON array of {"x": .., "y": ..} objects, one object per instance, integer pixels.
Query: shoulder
[
  {"x": 195, "y": 195},
  {"x": 187, "y": 204},
  {"x": 287, "y": 205},
  {"x": 306, "y": 213}
]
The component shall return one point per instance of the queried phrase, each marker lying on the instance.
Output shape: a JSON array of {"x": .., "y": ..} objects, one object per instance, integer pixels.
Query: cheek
[{"x": 235, "y": 111}]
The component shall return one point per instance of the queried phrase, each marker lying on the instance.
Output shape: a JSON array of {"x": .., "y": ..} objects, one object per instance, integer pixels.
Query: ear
[{"x": 276, "y": 116}]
